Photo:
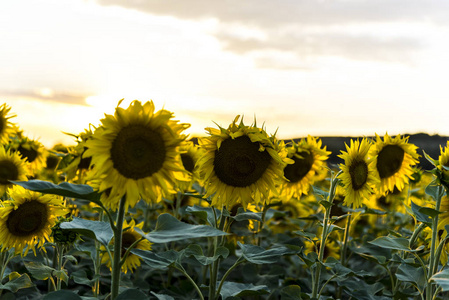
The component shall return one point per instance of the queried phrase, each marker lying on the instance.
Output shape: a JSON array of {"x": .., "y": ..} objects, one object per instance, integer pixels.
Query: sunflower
[
  {"x": 79, "y": 165},
  {"x": 135, "y": 151},
  {"x": 359, "y": 173},
  {"x": 394, "y": 159},
  {"x": 190, "y": 154},
  {"x": 240, "y": 163},
  {"x": 12, "y": 168},
  {"x": 309, "y": 162},
  {"x": 129, "y": 236},
  {"x": 26, "y": 220},
  {"x": 6, "y": 127},
  {"x": 32, "y": 151}
]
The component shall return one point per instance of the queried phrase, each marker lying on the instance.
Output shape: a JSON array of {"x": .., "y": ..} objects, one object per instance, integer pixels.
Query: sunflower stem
[
  {"x": 433, "y": 262},
  {"x": 60, "y": 254},
  {"x": 324, "y": 234},
  {"x": 216, "y": 263},
  {"x": 116, "y": 268}
]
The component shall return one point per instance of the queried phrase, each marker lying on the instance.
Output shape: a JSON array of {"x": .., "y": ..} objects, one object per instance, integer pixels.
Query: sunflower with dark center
[
  {"x": 190, "y": 154},
  {"x": 394, "y": 159},
  {"x": 359, "y": 174},
  {"x": 129, "y": 236},
  {"x": 26, "y": 220},
  {"x": 7, "y": 128},
  {"x": 136, "y": 153},
  {"x": 240, "y": 164},
  {"x": 31, "y": 151},
  {"x": 309, "y": 159},
  {"x": 12, "y": 168}
]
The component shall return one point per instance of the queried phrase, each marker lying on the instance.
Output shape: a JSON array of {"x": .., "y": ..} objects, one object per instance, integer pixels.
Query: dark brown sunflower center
[
  {"x": 239, "y": 162},
  {"x": 187, "y": 162},
  {"x": 389, "y": 160},
  {"x": 138, "y": 152},
  {"x": 301, "y": 166},
  {"x": 28, "y": 154},
  {"x": 2, "y": 124},
  {"x": 28, "y": 219},
  {"x": 127, "y": 240},
  {"x": 8, "y": 171},
  {"x": 359, "y": 174}
]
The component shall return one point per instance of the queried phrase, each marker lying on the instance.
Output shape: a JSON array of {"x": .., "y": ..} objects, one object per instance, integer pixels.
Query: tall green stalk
[{"x": 116, "y": 267}]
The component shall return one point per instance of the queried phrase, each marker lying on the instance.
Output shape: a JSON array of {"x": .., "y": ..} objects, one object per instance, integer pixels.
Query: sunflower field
[{"x": 136, "y": 209}]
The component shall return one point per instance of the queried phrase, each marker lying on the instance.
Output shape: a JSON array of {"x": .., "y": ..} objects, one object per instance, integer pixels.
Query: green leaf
[
  {"x": 101, "y": 231},
  {"x": 18, "y": 283},
  {"x": 162, "y": 297},
  {"x": 61, "y": 275},
  {"x": 62, "y": 294},
  {"x": 434, "y": 162},
  {"x": 80, "y": 277},
  {"x": 196, "y": 251},
  {"x": 234, "y": 289},
  {"x": 434, "y": 190},
  {"x": 161, "y": 260},
  {"x": 169, "y": 229},
  {"x": 319, "y": 192},
  {"x": 442, "y": 279},
  {"x": 66, "y": 189},
  {"x": 259, "y": 255},
  {"x": 326, "y": 204},
  {"x": 291, "y": 292},
  {"x": 206, "y": 214},
  {"x": 132, "y": 294},
  {"x": 420, "y": 215},
  {"x": 248, "y": 215},
  {"x": 390, "y": 242},
  {"x": 412, "y": 274},
  {"x": 39, "y": 270}
]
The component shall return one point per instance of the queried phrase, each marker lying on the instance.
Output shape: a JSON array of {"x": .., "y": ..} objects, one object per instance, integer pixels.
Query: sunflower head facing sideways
[
  {"x": 443, "y": 162},
  {"x": 12, "y": 168},
  {"x": 309, "y": 165},
  {"x": 129, "y": 237},
  {"x": 240, "y": 164},
  {"x": 26, "y": 220},
  {"x": 394, "y": 159},
  {"x": 135, "y": 153},
  {"x": 6, "y": 127},
  {"x": 359, "y": 175}
]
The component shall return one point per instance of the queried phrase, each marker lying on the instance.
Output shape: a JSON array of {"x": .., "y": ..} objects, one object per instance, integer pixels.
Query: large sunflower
[
  {"x": 359, "y": 173},
  {"x": 240, "y": 163},
  {"x": 129, "y": 237},
  {"x": 135, "y": 152},
  {"x": 12, "y": 168},
  {"x": 393, "y": 159},
  {"x": 309, "y": 162},
  {"x": 26, "y": 220},
  {"x": 6, "y": 127}
]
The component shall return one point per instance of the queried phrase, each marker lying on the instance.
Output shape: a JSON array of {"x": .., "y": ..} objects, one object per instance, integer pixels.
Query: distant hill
[{"x": 429, "y": 143}]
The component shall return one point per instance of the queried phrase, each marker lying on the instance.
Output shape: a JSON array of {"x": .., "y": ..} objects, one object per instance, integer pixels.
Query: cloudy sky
[{"x": 300, "y": 66}]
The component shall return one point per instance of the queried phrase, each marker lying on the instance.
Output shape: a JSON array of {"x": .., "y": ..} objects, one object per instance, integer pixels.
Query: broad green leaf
[
  {"x": 101, "y": 231},
  {"x": 259, "y": 255},
  {"x": 248, "y": 215},
  {"x": 62, "y": 294},
  {"x": 291, "y": 292},
  {"x": 66, "y": 189},
  {"x": 234, "y": 289},
  {"x": 160, "y": 260},
  {"x": 80, "y": 277},
  {"x": 162, "y": 297},
  {"x": 61, "y": 275},
  {"x": 420, "y": 215},
  {"x": 205, "y": 214},
  {"x": 18, "y": 283},
  {"x": 39, "y": 270},
  {"x": 169, "y": 229},
  {"x": 132, "y": 294},
  {"x": 434, "y": 190},
  {"x": 196, "y": 251},
  {"x": 412, "y": 274},
  {"x": 390, "y": 242},
  {"x": 442, "y": 279}
]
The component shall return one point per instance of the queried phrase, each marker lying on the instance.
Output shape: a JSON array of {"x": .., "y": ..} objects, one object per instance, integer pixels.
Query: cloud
[
  {"x": 306, "y": 29},
  {"x": 45, "y": 94}
]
